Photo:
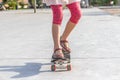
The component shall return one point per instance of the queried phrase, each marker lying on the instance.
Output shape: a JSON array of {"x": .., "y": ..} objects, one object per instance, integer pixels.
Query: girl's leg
[
  {"x": 57, "y": 19},
  {"x": 75, "y": 16}
]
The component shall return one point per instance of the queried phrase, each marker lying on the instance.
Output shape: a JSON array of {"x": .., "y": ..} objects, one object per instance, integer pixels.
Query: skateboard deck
[{"x": 61, "y": 64}]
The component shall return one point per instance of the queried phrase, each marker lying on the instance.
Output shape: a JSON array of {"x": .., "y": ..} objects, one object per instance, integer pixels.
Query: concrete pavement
[{"x": 26, "y": 46}]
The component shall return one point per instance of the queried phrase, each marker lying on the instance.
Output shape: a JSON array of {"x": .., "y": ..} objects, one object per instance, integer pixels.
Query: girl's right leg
[{"x": 57, "y": 19}]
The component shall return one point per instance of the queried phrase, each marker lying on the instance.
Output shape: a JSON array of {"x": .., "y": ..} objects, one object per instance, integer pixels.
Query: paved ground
[
  {"x": 26, "y": 46},
  {"x": 114, "y": 10}
]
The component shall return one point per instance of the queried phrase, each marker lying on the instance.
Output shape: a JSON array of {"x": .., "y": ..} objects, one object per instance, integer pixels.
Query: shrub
[
  {"x": 12, "y": 4},
  {"x": 103, "y": 2}
]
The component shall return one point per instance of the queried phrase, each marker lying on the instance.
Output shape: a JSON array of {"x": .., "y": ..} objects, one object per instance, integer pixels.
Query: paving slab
[{"x": 26, "y": 46}]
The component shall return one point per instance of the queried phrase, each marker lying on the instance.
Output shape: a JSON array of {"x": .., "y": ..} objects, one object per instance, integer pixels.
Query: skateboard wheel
[
  {"x": 53, "y": 68},
  {"x": 69, "y": 67}
]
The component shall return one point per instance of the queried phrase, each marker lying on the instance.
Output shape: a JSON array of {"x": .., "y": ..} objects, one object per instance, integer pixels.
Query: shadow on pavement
[{"x": 29, "y": 69}]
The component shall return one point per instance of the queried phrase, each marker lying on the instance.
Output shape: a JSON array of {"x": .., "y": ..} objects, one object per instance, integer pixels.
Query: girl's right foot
[{"x": 57, "y": 54}]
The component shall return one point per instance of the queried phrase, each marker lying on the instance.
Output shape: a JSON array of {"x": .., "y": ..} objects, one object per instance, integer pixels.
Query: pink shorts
[{"x": 75, "y": 11}]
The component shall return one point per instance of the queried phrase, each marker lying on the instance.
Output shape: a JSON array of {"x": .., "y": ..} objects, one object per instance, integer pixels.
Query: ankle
[
  {"x": 62, "y": 38},
  {"x": 57, "y": 47}
]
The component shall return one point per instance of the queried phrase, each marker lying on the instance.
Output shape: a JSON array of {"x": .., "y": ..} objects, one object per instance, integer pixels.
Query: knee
[
  {"x": 75, "y": 16},
  {"x": 75, "y": 12},
  {"x": 57, "y": 14},
  {"x": 57, "y": 18}
]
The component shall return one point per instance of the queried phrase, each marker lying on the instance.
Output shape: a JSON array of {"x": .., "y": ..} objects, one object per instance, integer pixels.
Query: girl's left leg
[{"x": 75, "y": 16}]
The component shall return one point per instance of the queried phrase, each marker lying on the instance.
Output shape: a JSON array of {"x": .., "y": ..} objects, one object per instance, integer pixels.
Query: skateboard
[{"x": 61, "y": 63}]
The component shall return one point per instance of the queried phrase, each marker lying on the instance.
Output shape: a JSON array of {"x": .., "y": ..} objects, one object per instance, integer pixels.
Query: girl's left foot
[{"x": 65, "y": 46}]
